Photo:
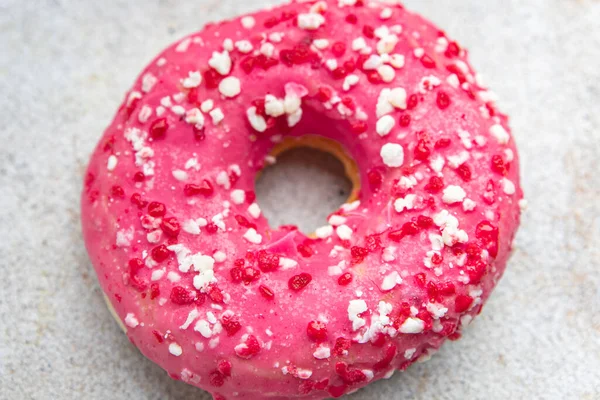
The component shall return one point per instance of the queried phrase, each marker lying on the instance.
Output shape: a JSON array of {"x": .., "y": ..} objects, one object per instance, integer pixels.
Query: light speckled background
[{"x": 64, "y": 67}]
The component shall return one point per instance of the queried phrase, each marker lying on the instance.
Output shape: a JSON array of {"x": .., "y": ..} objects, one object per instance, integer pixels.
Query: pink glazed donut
[{"x": 209, "y": 291}]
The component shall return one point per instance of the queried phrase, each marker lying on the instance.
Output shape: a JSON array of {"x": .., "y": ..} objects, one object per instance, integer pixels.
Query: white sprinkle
[
  {"x": 386, "y": 13},
  {"x": 390, "y": 281},
  {"x": 190, "y": 226},
  {"x": 397, "y": 98},
  {"x": 453, "y": 81},
  {"x": 359, "y": 44},
  {"x": 406, "y": 203},
  {"x": 178, "y": 110},
  {"x": 500, "y": 134},
  {"x": 409, "y": 353},
  {"x": 294, "y": 118},
  {"x": 267, "y": 49},
  {"x": 355, "y": 308},
  {"x": 228, "y": 44},
  {"x": 523, "y": 204},
  {"x": 154, "y": 236},
  {"x": 131, "y": 321},
  {"x": 322, "y": 352},
  {"x": 392, "y": 154},
  {"x": 157, "y": 274},
  {"x": 412, "y": 326},
  {"x": 349, "y": 207},
  {"x": 244, "y": 46},
  {"x": 287, "y": 263},
  {"x": 387, "y": 44},
  {"x": 397, "y": 61},
  {"x": 223, "y": 180},
  {"x": 469, "y": 205},
  {"x": 385, "y": 125},
  {"x": 350, "y": 81},
  {"x": 183, "y": 45},
  {"x": 310, "y": 21},
  {"x": 274, "y": 107},
  {"x": 248, "y": 22},
  {"x": 344, "y": 232},
  {"x": 508, "y": 186},
  {"x": 429, "y": 83},
  {"x": 221, "y": 62},
  {"x": 331, "y": 64},
  {"x": 453, "y": 194},
  {"x": 257, "y": 122},
  {"x": 203, "y": 328},
  {"x": 276, "y": 37},
  {"x": 254, "y": 210},
  {"x": 192, "y": 315},
  {"x": 194, "y": 117},
  {"x": 180, "y": 175},
  {"x": 148, "y": 82},
  {"x": 238, "y": 196},
  {"x": 217, "y": 116},
  {"x": 193, "y": 80},
  {"x": 324, "y": 231},
  {"x": 252, "y": 236},
  {"x": 207, "y": 105},
  {"x": 321, "y": 44},
  {"x": 337, "y": 220},
  {"x": 373, "y": 62},
  {"x": 112, "y": 163},
  {"x": 387, "y": 73},
  {"x": 230, "y": 87},
  {"x": 145, "y": 113},
  {"x": 175, "y": 349},
  {"x": 173, "y": 276}
]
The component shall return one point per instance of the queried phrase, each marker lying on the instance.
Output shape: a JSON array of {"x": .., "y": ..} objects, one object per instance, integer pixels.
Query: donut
[{"x": 208, "y": 290}]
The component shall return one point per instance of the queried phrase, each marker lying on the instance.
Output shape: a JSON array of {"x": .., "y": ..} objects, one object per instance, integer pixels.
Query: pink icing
[{"x": 218, "y": 298}]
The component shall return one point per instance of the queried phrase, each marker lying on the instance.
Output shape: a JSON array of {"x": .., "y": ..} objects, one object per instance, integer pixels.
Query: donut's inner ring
[{"x": 328, "y": 146}]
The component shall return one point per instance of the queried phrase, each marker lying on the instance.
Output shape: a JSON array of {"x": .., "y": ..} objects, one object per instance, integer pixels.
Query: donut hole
[{"x": 303, "y": 187}]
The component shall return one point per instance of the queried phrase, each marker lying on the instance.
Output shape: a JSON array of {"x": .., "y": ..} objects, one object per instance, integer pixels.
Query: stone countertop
[{"x": 64, "y": 67}]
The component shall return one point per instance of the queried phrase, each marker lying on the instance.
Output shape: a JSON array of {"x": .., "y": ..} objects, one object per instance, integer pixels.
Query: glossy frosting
[{"x": 220, "y": 299}]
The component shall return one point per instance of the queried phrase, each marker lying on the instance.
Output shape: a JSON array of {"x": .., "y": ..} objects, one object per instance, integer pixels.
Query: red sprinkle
[
  {"x": 117, "y": 192},
  {"x": 408, "y": 229},
  {"x": 317, "y": 331},
  {"x": 422, "y": 151},
  {"x": 158, "y": 129},
  {"x": 136, "y": 199},
  {"x": 427, "y": 61},
  {"x": 345, "y": 279},
  {"x": 435, "y": 184},
  {"x": 170, "y": 226},
  {"x": 464, "y": 172},
  {"x": 443, "y": 100},
  {"x": 231, "y": 325},
  {"x": 267, "y": 261},
  {"x": 160, "y": 253},
  {"x": 181, "y": 296},
  {"x": 205, "y": 188},
  {"x": 154, "y": 291},
  {"x": 299, "y": 282},
  {"x": 404, "y": 120},
  {"x": 462, "y": 303},
  {"x": 266, "y": 292},
  {"x": 338, "y": 49},
  {"x": 342, "y": 345},
  {"x": 251, "y": 348},
  {"x": 156, "y": 209}
]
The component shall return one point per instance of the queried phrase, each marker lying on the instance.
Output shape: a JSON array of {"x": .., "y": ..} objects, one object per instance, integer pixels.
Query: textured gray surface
[{"x": 64, "y": 67}]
